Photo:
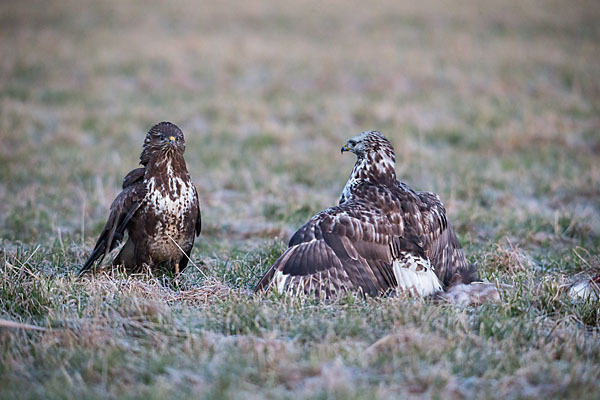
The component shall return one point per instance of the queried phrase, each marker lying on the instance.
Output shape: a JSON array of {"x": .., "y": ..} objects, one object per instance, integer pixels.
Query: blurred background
[{"x": 494, "y": 105}]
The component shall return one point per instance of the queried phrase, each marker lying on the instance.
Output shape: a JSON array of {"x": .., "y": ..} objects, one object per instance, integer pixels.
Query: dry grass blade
[
  {"x": 186, "y": 256},
  {"x": 4, "y": 323}
]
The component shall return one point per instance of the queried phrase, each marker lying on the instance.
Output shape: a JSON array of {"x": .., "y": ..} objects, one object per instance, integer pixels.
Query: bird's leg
[{"x": 177, "y": 268}]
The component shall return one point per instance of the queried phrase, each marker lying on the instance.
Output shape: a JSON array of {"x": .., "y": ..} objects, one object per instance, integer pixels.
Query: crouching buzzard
[
  {"x": 381, "y": 237},
  {"x": 158, "y": 207}
]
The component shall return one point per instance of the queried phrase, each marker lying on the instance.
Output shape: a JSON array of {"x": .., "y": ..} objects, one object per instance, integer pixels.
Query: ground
[{"x": 493, "y": 105}]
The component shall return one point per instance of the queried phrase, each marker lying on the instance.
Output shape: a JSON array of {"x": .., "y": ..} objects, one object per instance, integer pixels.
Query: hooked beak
[
  {"x": 172, "y": 141},
  {"x": 344, "y": 148}
]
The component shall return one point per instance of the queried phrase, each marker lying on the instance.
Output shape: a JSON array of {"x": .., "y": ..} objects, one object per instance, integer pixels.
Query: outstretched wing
[
  {"x": 441, "y": 244},
  {"x": 350, "y": 247},
  {"x": 121, "y": 211}
]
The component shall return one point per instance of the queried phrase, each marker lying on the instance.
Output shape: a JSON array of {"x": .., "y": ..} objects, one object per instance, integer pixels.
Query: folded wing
[
  {"x": 441, "y": 244},
  {"x": 121, "y": 211}
]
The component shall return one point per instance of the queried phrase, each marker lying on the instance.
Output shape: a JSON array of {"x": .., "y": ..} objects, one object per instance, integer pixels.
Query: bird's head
[
  {"x": 375, "y": 157},
  {"x": 370, "y": 144},
  {"x": 164, "y": 138}
]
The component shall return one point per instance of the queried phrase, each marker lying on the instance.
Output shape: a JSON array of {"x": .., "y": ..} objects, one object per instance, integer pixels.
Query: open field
[{"x": 493, "y": 105}]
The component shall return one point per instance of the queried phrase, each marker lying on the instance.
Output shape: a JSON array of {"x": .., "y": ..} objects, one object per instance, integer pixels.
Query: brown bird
[
  {"x": 382, "y": 237},
  {"x": 158, "y": 208}
]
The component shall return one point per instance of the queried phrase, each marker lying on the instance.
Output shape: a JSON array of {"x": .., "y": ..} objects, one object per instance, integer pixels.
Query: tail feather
[{"x": 98, "y": 253}]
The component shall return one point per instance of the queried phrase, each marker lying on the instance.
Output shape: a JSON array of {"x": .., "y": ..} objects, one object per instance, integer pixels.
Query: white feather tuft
[
  {"x": 279, "y": 280},
  {"x": 416, "y": 276}
]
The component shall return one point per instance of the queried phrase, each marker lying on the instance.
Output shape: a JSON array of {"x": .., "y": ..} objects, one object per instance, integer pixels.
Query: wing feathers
[
  {"x": 403, "y": 242},
  {"x": 121, "y": 211},
  {"x": 198, "y": 228},
  {"x": 134, "y": 176},
  {"x": 349, "y": 248},
  {"x": 329, "y": 255},
  {"x": 442, "y": 245}
]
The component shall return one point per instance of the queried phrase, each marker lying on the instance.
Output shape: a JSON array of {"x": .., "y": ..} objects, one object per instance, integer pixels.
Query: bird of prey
[
  {"x": 158, "y": 207},
  {"x": 382, "y": 237}
]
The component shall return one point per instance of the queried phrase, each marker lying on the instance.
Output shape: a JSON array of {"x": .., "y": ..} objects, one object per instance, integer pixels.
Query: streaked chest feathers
[{"x": 171, "y": 201}]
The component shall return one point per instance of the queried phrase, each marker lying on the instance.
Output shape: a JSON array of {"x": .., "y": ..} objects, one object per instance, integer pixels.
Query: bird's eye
[
  {"x": 163, "y": 137},
  {"x": 352, "y": 143}
]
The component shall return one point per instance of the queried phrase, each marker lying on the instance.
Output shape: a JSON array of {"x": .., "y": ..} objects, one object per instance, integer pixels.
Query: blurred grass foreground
[{"x": 493, "y": 105}]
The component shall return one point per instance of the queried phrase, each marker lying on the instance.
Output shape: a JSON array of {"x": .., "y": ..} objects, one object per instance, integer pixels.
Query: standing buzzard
[
  {"x": 381, "y": 237},
  {"x": 158, "y": 207}
]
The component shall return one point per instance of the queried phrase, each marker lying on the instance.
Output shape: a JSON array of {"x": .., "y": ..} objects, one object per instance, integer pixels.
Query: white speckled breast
[{"x": 171, "y": 211}]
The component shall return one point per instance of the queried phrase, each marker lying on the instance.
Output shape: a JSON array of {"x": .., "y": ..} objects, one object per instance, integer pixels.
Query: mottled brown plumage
[
  {"x": 381, "y": 237},
  {"x": 158, "y": 208}
]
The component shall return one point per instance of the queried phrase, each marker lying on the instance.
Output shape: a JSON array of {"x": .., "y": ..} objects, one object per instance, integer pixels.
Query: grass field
[{"x": 493, "y": 105}]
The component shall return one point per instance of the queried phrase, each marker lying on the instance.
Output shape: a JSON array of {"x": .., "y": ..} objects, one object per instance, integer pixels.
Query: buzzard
[
  {"x": 158, "y": 207},
  {"x": 382, "y": 237}
]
